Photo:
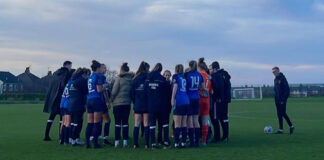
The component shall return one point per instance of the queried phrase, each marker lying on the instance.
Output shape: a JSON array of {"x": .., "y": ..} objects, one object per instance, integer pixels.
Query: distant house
[
  {"x": 30, "y": 82},
  {"x": 10, "y": 83},
  {"x": 45, "y": 81}
]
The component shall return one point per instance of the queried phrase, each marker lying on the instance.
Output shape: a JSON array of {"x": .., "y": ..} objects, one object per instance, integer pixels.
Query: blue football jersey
[
  {"x": 94, "y": 80},
  {"x": 194, "y": 79},
  {"x": 104, "y": 80},
  {"x": 65, "y": 95},
  {"x": 181, "y": 96}
]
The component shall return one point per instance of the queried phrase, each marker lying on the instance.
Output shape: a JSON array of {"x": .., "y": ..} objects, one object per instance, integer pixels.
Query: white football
[{"x": 268, "y": 130}]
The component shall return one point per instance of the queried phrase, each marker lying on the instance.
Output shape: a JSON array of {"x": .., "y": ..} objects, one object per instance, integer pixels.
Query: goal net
[{"x": 247, "y": 93}]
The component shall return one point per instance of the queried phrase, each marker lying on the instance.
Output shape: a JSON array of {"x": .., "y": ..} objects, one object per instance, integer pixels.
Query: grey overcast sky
[{"x": 247, "y": 37}]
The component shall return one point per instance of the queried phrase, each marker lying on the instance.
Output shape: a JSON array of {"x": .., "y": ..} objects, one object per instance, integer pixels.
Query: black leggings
[{"x": 121, "y": 115}]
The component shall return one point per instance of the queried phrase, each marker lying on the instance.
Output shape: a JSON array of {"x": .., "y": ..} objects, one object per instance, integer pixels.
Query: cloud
[
  {"x": 318, "y": 6},
  {"x": 34, "y": 9},
  {"x": 249, "y": 34}
]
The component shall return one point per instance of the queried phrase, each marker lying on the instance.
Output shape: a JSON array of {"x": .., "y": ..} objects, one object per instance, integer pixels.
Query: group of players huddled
[{"x": 195, "y": 96}]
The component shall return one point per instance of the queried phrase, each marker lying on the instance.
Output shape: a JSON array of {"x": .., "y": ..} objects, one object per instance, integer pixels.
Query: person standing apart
[{"x": 282, "y": 92}]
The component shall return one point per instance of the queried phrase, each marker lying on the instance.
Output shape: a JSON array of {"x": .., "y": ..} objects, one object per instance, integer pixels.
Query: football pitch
[{"x": 22, "y": 130}]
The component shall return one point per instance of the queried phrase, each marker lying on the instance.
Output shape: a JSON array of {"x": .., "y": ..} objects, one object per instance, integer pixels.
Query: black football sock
[
  {"x": 88, "y": 133},
  {"x": 135, "y": 134},
  {"x": 147, "y": 135},
  {"x": 197, "y": 136},
  {"x": 48, "y": 128},
  {"x": 191, "y": 136},
  {"x": 184, "y": 133},
  {"x": 106, "y": 129},
  {"x": 166, "y": 133}
]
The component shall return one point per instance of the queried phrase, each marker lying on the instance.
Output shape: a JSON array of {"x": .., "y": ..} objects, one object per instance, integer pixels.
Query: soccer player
[
  {"x": 221, "y": 98},
  {"x": 282, "y": 92},
  {"x": 53, "y": 98},
  {"x": 95, "y": 104},
  {"x": 194, "y": 83},
  {"x": 138, "y": 94},
  {"x": 163, "y": 122},
  {"x": 156, "y": 86},
  {"x": 180, "y": 103},
  {"x": 121, "y": 100},
  {"x": 204, "y": 99},
  {"x": 105, "y": 115},
  {"x": 77, "y": 101},
  {"x": 66, "y": 116}
]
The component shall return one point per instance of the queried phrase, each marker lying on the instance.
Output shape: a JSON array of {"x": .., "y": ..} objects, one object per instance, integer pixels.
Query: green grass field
[{"x": 22, "y": 128}]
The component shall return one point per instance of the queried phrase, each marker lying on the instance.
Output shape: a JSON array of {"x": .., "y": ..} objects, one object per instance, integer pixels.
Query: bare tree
[{"x": 111, "y": 76}]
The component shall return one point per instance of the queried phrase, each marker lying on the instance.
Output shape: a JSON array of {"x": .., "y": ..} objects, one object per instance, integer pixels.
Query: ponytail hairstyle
[
  {"x": 157, "y": 68},
  {"x": 179, "y": 69},
  {"x": 203, "y": 65},
  {"x": 95, "y": 65},
  {"x": 193, "y": 65},
  {"x": 80, "y": 71},
  {"x": 215, "y": 65},
  {"x": 143, "y": 68},
  {"x": 124, "y": 68}
]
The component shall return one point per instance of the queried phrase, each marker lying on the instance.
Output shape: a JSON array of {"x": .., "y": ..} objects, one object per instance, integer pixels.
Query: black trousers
[
  {"x": 77, "y": 122},
  {"x": 49, "y": 124},
  {"x": 281, "y": 113},
  {"x": 219, "y": 116},
  {"x": 158, "y": 117},
  {"x": 163, "y": 122},
  {"x": 121, "y": 115}
]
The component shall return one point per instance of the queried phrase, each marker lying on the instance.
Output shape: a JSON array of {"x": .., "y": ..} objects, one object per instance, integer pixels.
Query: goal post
[{"x": 247, "y": 93}]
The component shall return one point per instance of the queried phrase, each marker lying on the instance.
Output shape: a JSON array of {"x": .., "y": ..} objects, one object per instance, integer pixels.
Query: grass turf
[{"x": 22, "y": 128}]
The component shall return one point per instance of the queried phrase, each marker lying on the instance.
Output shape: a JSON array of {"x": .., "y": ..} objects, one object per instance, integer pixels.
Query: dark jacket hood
[
  {"x": 154, "y": 74},
  {"x": 225, "y": 73},
  {"x": 140, "y": 76},
  {"x": 61, "y": 71},
  {"x": 281, "y": 75}
]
